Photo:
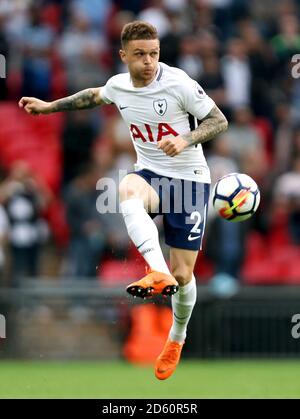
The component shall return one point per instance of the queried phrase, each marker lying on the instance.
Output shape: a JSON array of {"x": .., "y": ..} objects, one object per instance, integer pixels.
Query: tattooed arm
[
  {"x": 214, "y": 123},
  {"x": 85, "y": 99}
]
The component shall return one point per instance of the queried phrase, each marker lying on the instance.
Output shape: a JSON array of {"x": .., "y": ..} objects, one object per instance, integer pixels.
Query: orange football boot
[
  {"x": 167, "y": 361},
  {"x": 153, "y": 283}
]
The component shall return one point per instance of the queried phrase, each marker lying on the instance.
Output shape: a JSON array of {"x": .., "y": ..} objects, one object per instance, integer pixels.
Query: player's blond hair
[{"x": 137, "y": 30}]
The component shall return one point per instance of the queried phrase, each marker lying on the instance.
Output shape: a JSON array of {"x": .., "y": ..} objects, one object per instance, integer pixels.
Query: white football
[{"x": 236, "y": 197}]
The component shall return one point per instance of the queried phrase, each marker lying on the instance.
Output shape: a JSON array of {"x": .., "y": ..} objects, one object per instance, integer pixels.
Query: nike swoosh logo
[
  {"x": 123, "y": 107},
  {"x": 142, "y": 243},
  {"x": 190, "y": 238}
]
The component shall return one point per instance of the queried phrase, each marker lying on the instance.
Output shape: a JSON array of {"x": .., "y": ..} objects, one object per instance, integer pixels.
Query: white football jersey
[{"x": 169, "y": 106}]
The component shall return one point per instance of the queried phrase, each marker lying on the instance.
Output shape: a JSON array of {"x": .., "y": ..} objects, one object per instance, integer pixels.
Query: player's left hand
[{"x": 172, "y": 146}]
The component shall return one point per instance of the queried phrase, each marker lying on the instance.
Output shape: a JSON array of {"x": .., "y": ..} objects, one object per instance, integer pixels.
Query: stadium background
[{"x": 64, "y": 266}]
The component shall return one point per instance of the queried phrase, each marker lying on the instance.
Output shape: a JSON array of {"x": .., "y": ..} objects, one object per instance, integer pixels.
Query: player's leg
[
  {"x": 182, "y": 266},
  {"x": 136, "y": 198},
  {"x": 184, "y": 232}
]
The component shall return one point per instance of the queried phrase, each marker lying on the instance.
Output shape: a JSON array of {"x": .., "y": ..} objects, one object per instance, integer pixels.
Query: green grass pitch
[{"x": 113, "y": 380}]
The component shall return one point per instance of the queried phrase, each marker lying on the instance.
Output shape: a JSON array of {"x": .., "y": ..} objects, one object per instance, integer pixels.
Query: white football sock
[
  {"x": 144, "y": 234},
  {"x": 182, "y": 304}
]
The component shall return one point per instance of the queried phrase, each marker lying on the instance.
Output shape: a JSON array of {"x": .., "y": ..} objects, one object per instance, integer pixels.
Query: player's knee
[
  {"x": 126, "y": 191},
  {"x": 183, "y": 274}
]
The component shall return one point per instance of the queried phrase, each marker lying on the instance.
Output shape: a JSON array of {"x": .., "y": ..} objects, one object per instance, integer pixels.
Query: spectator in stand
[
  {"x": 155, "y": 13},
  {"x": 287, "y": 196},
  {"x": 95, "y": 11},
  {"x": 227, "y": 14},
  {"x": 213, "y": 81},
  {"x": 200, "y": 17},
  {"x": 287, "y": 42},
  {"x": 24, "y": 200},
  {"x": 236, "y": 73},
  {"x": 114, "y": 28},
  {"x": 37, "y": 41},
  {"x": 15, "y": 14},
  {"x": 80, "y": 48},
  {"x": 79, "y": 135},
  {"x": 261, "y": 62},
  {"x": 189, "y": 59},
  {"x": 87, "y": 241},
  {"x": 170, "y": 42},
  {"x": 208, "y": 44},
  {"x": 122, "y": 158},
  {"x": 246, "y": 142}
]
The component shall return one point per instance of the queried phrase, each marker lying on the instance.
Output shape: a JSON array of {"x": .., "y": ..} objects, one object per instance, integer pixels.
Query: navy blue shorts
[{"x": 183, "y": 205}]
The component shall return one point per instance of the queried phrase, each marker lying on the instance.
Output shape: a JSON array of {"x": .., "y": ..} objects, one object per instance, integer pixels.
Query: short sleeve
[
  {"x": 107, "y": 92},
  {"x": 195, "y": 100}
]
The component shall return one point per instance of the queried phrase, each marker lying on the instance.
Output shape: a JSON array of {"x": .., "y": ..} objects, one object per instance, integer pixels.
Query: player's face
[{"x": 141, "y": 57}]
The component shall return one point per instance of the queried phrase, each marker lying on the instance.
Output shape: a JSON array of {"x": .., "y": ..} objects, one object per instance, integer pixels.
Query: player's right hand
[{"x": 34, "y": 106}]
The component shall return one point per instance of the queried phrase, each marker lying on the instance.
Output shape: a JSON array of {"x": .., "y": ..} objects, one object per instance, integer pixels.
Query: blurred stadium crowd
[{"x": 240, "y": 51}]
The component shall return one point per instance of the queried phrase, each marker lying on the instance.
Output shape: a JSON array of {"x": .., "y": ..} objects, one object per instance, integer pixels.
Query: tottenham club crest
[{"x": 160, "y": 106}]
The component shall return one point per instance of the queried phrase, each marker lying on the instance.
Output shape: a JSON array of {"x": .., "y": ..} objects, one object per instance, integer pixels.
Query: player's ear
[{"x": 123, "y": 56}]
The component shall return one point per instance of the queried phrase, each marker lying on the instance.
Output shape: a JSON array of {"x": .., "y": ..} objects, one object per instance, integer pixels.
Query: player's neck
[{"x": 142, "y": 83}]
